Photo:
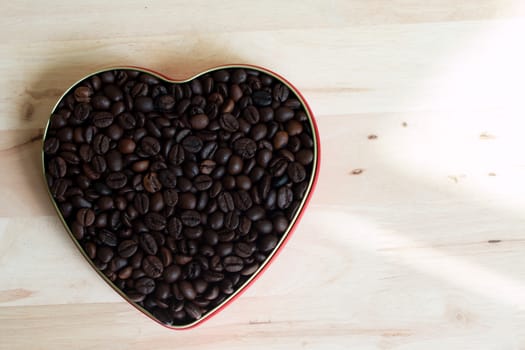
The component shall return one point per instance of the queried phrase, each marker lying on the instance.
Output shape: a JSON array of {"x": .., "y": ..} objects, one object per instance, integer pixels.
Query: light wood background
[{"x": 424, "y": 249}]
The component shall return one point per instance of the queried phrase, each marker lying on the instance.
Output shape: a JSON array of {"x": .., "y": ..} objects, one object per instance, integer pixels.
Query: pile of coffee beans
[{"x": 178, "y": 193}]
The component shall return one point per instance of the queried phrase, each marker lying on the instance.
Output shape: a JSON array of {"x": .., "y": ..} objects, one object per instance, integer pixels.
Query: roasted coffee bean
[
  {"x": 127, "y": 248},
  {"x": 152, "y": 266},
  {"x": 176, "y": 155},
  {"x": 148, "y": 244},
  {"x": 102, "y": 119},
  {"x": 171, "y": 197},
  {"x": 202, "y": 182},
  {"x": 145, "y": 285},
  {"x": 222, "y": 155},
  {"x": 280, "y": 139},
  {"x": 233, "y": 264},
  {"x": 225, "y": 202},
  {"x": 190, "y": 218},
  {"x": 278, "y": 167},
  {"x": 107, "y": 237},
  {"x": 280, "y": 92},
  {"x": 116, "y": 180},
  {"x": 150, "y": 145},
  {"x": 296, "y": 172},
  {"x": 101, "y": 144},
  {"x": 157, "y": 202},
  {"x": 284, "y": 197},
  {"x": 172, "y": 273},
  {"x": 100, "y": 102},
  {"x": 250, "y": 269},
  {"x": 152, "y": 183},
  {"x": 245, "y": 147},
  {"x": 244, "y": 250},
  {"x": 207, "y": 166},
  {"x": 192, "y": 144},
  {"x": 51, "y": 145},
  {"x": 251, "y": 115},
  {"x": 144, "y": 104},
  {"x": 155, "y": 221},
  {"x": 267, "y": 242},
  {"x": 304, "y": 156},
  {"x": 85, "y": 217},
  {"x": 199, "y": 121},
  {"x": 228, "y": 122},
  {"x": 57, "y": 167},
  {"x": 141, "y": 203},
  {"x": 231, "y": 220},
  {"x": 242, "y": 200},
  {"x": 262, "y": 98},
  {"x": 187, "y": 290}
]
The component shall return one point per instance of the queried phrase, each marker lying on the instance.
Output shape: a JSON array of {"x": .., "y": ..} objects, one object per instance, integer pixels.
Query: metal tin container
[{"x": 285, "y": 237}]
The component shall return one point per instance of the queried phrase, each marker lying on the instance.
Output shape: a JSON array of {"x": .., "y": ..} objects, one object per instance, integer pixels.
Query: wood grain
[{"x": 415, "y": 236}]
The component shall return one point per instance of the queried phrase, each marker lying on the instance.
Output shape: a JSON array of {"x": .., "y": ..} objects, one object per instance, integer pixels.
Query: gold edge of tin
[{"x": 313, "y": 177}]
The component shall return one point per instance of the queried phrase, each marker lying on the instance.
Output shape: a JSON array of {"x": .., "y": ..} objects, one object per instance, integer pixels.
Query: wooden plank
[{"x": 415, "y": 236}]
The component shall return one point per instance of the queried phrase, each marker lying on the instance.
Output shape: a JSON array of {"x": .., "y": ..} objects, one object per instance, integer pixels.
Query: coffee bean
[
  {"x": 280, "y": 92},
  {"x": 151, "y": 182},
  {"x": 105, "y": 254},
  {"x": 278, "y": 167},
  {"x": 304, "y": 156},
  {"x": 176, "y": 155},
  {"x": 280, "y": 139},
  {"x": 187, "y": 201},
  {"x": 284, "y": 197},
  {"x": 57, "y": 167},
  {"x": 127, "y": 248},
  {"x": 145, "y": 285},
  {"x": 152, "y": 266},
  {"x": 144, "y": 104},
  {"x": 157, "y": 202},
  {"x": 242, "y": 200},
  {"x": 225, "y": 202},
  {"x": 190, "y": 218},
  {"x": 175, "y": 227},
  {"x": 233, "y": 264},
  {"x": 148, "y": 244},
  {"x": 244, "y": 250},
  {"x": 172, "y": 273},
  {"x": 228, "y": 122},
  {"x": 199, "y": 121},
  {"x": 187, "y": 290},
  {"x": 51, "y": 145},
  {"x": 245, "y": 147},
  {"x": 262, "y": 98},
  {"x": 126, "y": 146},
  {"x": 251, "y": 114},
  {"x": 192, "y": 144},
  {"x": 296, "y": 172},
  {"x": 102, "y": 119},
  {"x": 108, "y": 238},
  {"x": 155, "y": 221},
  {"x": 165, "y": 103},
  {"x": 267, "y": 242},
  {"x": 150, "y": 146},
  {"x": 85, "y": 217},
  {"x": 171, "y": 197},
  {"x": 101, "y": 144},
  {"x": 81, "y": 113},
  {"x": 116, "y": 180}
]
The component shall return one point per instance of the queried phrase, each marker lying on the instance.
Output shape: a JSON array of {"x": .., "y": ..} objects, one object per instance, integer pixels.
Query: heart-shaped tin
[{"x": 180, "y": 193}]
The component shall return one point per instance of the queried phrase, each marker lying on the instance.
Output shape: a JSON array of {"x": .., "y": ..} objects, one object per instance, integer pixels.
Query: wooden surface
[{"x": 423, "y": 249}]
